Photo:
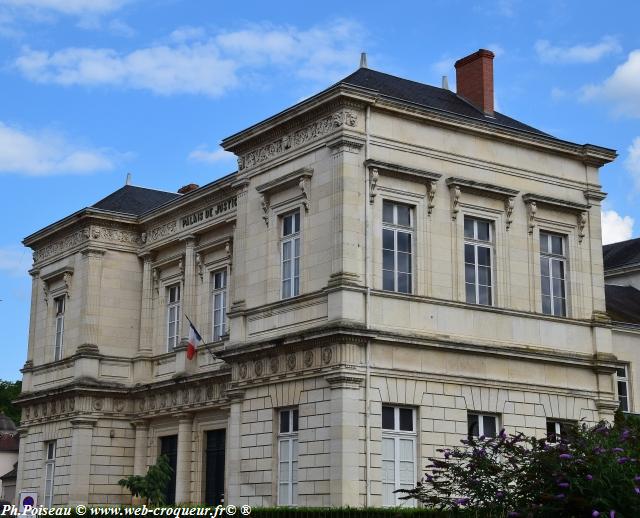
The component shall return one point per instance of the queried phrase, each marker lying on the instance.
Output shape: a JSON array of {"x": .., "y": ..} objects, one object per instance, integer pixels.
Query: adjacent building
[{"x": 392, "y": 267}]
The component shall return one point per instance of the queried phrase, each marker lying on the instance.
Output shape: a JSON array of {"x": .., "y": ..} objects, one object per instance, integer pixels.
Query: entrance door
[
  {"x": 169, "y": 447},
  {"x": 214, "y": 470}
]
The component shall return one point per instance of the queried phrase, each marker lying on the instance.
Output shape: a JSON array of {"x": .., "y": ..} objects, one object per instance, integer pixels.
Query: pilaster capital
[
  {"x": 184, "y": 417},
  {"x": 140, "y": 424},
  {"x": 93, "y": 253},
  {"x": 83, "y": 422},
  {"x": 345, "y": 380}
]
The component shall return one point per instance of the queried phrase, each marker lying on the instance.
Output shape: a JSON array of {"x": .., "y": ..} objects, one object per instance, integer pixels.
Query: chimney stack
[
  {"x": 474, "y": 79},
  {"x": 188, "y": 188}
]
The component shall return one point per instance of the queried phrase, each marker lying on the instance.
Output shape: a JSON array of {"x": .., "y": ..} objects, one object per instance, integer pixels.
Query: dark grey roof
[
  {"x": 134, "y": 200},
  {"x": 623, "y": 303},
  {"x": 6, "y": 424},
  {"x": 621, "y": 254},
  {"x": 428, "y": 96}
]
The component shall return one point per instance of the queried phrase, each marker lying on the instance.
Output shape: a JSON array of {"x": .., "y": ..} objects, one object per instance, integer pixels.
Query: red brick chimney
[
  {"x": 188, "y": 188},
  {"x": 474, "y": 79}
]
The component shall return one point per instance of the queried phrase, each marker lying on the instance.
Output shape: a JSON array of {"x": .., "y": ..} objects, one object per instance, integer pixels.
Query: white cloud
[
  {"x": 47, "y": 153},
  {"x": 632, "y": 163},
  {"x": 496, "y": 48},
  {"x": 68, "y": 7},
  {"x": 193, "y": 63},
  {"x": 615, "y": 227},
  {"x": 15, "y": 260},
  {"x": 622, "y": 88},
  {"x": 443, "y": 66},
  {"x": 549, "y": 53},
  {"x": 201, "y": 154}
]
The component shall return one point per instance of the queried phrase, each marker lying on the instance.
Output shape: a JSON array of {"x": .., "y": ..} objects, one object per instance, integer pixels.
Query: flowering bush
[{"x": 594, "y": 471}]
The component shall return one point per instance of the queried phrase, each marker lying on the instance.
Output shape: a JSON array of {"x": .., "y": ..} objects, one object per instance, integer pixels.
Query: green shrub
[{"x": 153, "y": 486}]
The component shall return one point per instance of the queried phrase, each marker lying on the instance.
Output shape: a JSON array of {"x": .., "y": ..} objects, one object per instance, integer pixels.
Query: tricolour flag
[{"x": 194, "y": 340}]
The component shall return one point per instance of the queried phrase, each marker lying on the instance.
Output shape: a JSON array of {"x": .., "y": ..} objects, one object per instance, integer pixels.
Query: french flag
[{"x": 194, "y": 340}]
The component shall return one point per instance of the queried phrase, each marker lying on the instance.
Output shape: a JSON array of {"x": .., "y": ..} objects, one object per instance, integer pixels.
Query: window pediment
[{"x": 300, "y": 177}]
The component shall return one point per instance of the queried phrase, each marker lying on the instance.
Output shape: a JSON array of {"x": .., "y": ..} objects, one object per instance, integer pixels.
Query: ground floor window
[
  {"x": 398, "y": 453},
  {"x": 288, "y": 457},
  {"x": 49, "y": 472},
  {"x": 169, "y": 448},
  {"x": 558, "y": 430},
  {"x": 482, "y": 425},
  {"x": 622, "y": 376}
]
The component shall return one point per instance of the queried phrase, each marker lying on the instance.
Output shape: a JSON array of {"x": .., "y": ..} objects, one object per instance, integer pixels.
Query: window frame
[
  {"x": 294, "y": 239},
  {"x": 177, "y": 305},
  {"x": 50, "y": 455},
  {"x": 396, "y": 228},
  {"x": 558, "y": 425},
  {"x": 289, "y": 439},
  {"x": 223, "y": 292},
  {"x": 398, "y": 435},
  {"x": 625, "y": 380},
  {"x": 476, "y": 243},
  {"x": 58, "y": 340},
  {"x": 481, "y": 417},
  {"x": 549, "y": 256}
]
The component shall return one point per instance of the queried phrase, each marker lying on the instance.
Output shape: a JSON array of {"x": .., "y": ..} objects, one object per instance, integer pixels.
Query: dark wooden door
[
  {"x": 214, "y": 467},
  {"x": 169, "y": 447}
]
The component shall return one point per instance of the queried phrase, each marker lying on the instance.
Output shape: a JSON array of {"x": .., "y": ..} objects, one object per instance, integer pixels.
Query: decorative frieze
[
  {"x": 162, "y": 231},
  {"x": 297, "y": 138}
]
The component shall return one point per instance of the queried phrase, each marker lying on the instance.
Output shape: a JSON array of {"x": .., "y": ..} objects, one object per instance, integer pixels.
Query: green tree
[
  {"x": 153, "y": 486},
  {"x": 10, "y": 390}
]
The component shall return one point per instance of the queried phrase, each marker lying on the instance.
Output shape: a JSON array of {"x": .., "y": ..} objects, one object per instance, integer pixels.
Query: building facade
[{"x": 392, "y": 267}]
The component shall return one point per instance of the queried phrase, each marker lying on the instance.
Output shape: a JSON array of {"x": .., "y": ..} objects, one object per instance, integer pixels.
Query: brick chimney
[
  {"x": 474, "y": 79},
  {"x": 188, "y": 188}
]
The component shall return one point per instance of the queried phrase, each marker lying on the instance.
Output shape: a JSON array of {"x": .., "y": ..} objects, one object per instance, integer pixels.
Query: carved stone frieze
[
  {"x": 297, "y": 138},
  {"x": 161, "y": 231}
]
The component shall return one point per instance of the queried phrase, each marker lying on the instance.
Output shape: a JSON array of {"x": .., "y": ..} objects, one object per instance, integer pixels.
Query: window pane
[
  {"x": 286, "y": 226},
  {"x": 621, "y": 372},
  {"x": 483, "y": 230},
  {"x": 404, "y": 262},
  {"x": 559, "y": 307},
  {"x": 470, "y": 291},
  {"x": 387, "y": 260},
  {"x": 622, "y": 388},
  {"x": 296, "y": 286},
  {"x": 551, "y": 431},
  {"x": 484, "y": 256},
  {"x": 472, "y": 425},
  {"x": 295, "y": 425},
  {"x": 469, "y": 254},
  {"x": 388, "y": 418},
  {"x": 470, "y": 273},
  {"x": 286, "y": 269},
  {"x": 284, "y": 423},
  {"x": 388, "y": 239},
  {"x": 556, "y": 245},
  {"x": 404, "y": 215},
  {"x": 624, "y": 404},
  {"x": 557, "y": 269},
  {"x": 286, "y": 250},
  {"x": 544, "y": 266},
  {"x": 484, "y": 295},
  {"x": 387, "y": 212},
  {"x": 296, "y": 222},
  {"x": 406, "y": 420},
  {"x": 546, "y": 286},
  {"x": 404, "y": 283},
  {"x": 388, "y": 280},
  {"x": 544, "y": 242},
  {"x": 489, "y": 423},
  {"x": 286, "y": 288},
  {"x": 296, "y": 247},
  {"x": 484, "y": 275},
  {"x": 404, "y": 242},
  {"x": 558, "y": 288},
  {"x": 468, "y": 228},
  {"x": 546, "y": 305}
]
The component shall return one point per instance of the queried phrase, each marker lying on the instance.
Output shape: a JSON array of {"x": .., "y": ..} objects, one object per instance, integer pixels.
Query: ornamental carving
[
  {"x": 163, "y": 400},
  {"x": 308, "y": 358},
  {"x": 297, "y": 138},
  {"x": 291, "y": 361},
  {"x": 274, "y": 365},
  {"x": 162, "y": 231},
  {"x": 61, "y": 245},
  {"x": 97, "y": 404},
  {"x": 242, "y": 371},
  {"x": 174, "y": 398},
  {"x": 116, "y": 235},
  {"x": 118, "y": 405},
  {"x": 209, "y": 391},
  {"x": 327, "y": 353},
  {"x": 258, "y": 368},
  {"x": 151, "y": 404},
  {"x": 141, "y": 405},
  {"x": 185, "y": 396}
]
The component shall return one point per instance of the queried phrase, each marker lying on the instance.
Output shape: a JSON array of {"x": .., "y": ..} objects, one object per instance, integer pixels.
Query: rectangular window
[
  {"x": 397, "y": 247},
  {"x": 478, "y": 261},
  {"x": 59, "y": 304},
  {"x": 288, "y": 457},
  {"x": 173, "y": 317},
  {"x": 219, "y": 303},
  {"x": 290, "y": 254},
  {"x": 481, "y": 425},
  {"x": 49, "y": 472},
  {"x": 398, "y": 453},
  {"x": 558, "y": 430},
  {"x": 553, "y": 266},
  {"x": 623, "y": 388}
]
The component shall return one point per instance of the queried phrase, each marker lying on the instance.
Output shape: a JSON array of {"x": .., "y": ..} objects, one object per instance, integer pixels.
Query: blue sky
[{"x": 93, "y": 89}]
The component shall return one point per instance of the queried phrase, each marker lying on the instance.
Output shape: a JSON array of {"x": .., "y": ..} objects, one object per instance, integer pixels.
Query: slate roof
[
  {"x": 429, "y": 97},
  {"x": 621, "y": 254},
  {"x": 131, "y": 199},
  {"x": 623, "y": 303}
]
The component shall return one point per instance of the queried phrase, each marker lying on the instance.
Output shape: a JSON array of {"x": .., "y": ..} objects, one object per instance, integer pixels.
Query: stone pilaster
[
  {"x": 80, "y": 469},
  {"x": 238, "y": 286},
  {"x": 346, "y": 408},
  {"x": 92, "y": 289},
  {"x": 140, "y": 447},
  {"x": 188, "y": 297},
  {"x": 35, "y": 292},
  {"x": 234, "y": 456},
  {"x": 146, "y": 309},
  {"x": 183, "y": 462}
]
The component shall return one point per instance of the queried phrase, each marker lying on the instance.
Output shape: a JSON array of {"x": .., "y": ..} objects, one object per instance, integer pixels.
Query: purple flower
[
  {"x": 612, "y": 514},
  {"x": 622, "y": 460},
  {"x": 563, "y": 485},
  {"x": 503, "y": 433},
  {"x": 636, "y": 478},
  {"x": 617, "y": 450},
  {"x": 461, "y": 501},
  {"x": 513, "y": 514},
  {"x": 559, "y": 496},
  {"x": 595, "y": 513},
  {"x": 626, "y": 433},
  {"x": 566, "y": 456},
  {"x": 589, "y": 477},
  {"x": 637, "y": 490}
]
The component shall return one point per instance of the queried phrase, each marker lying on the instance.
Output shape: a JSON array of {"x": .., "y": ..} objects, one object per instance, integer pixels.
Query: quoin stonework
[{"x": 392, "y": 267}]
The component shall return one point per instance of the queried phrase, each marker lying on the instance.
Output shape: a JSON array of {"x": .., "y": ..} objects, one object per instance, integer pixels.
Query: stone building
[{"x": 393, "y": 266}]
